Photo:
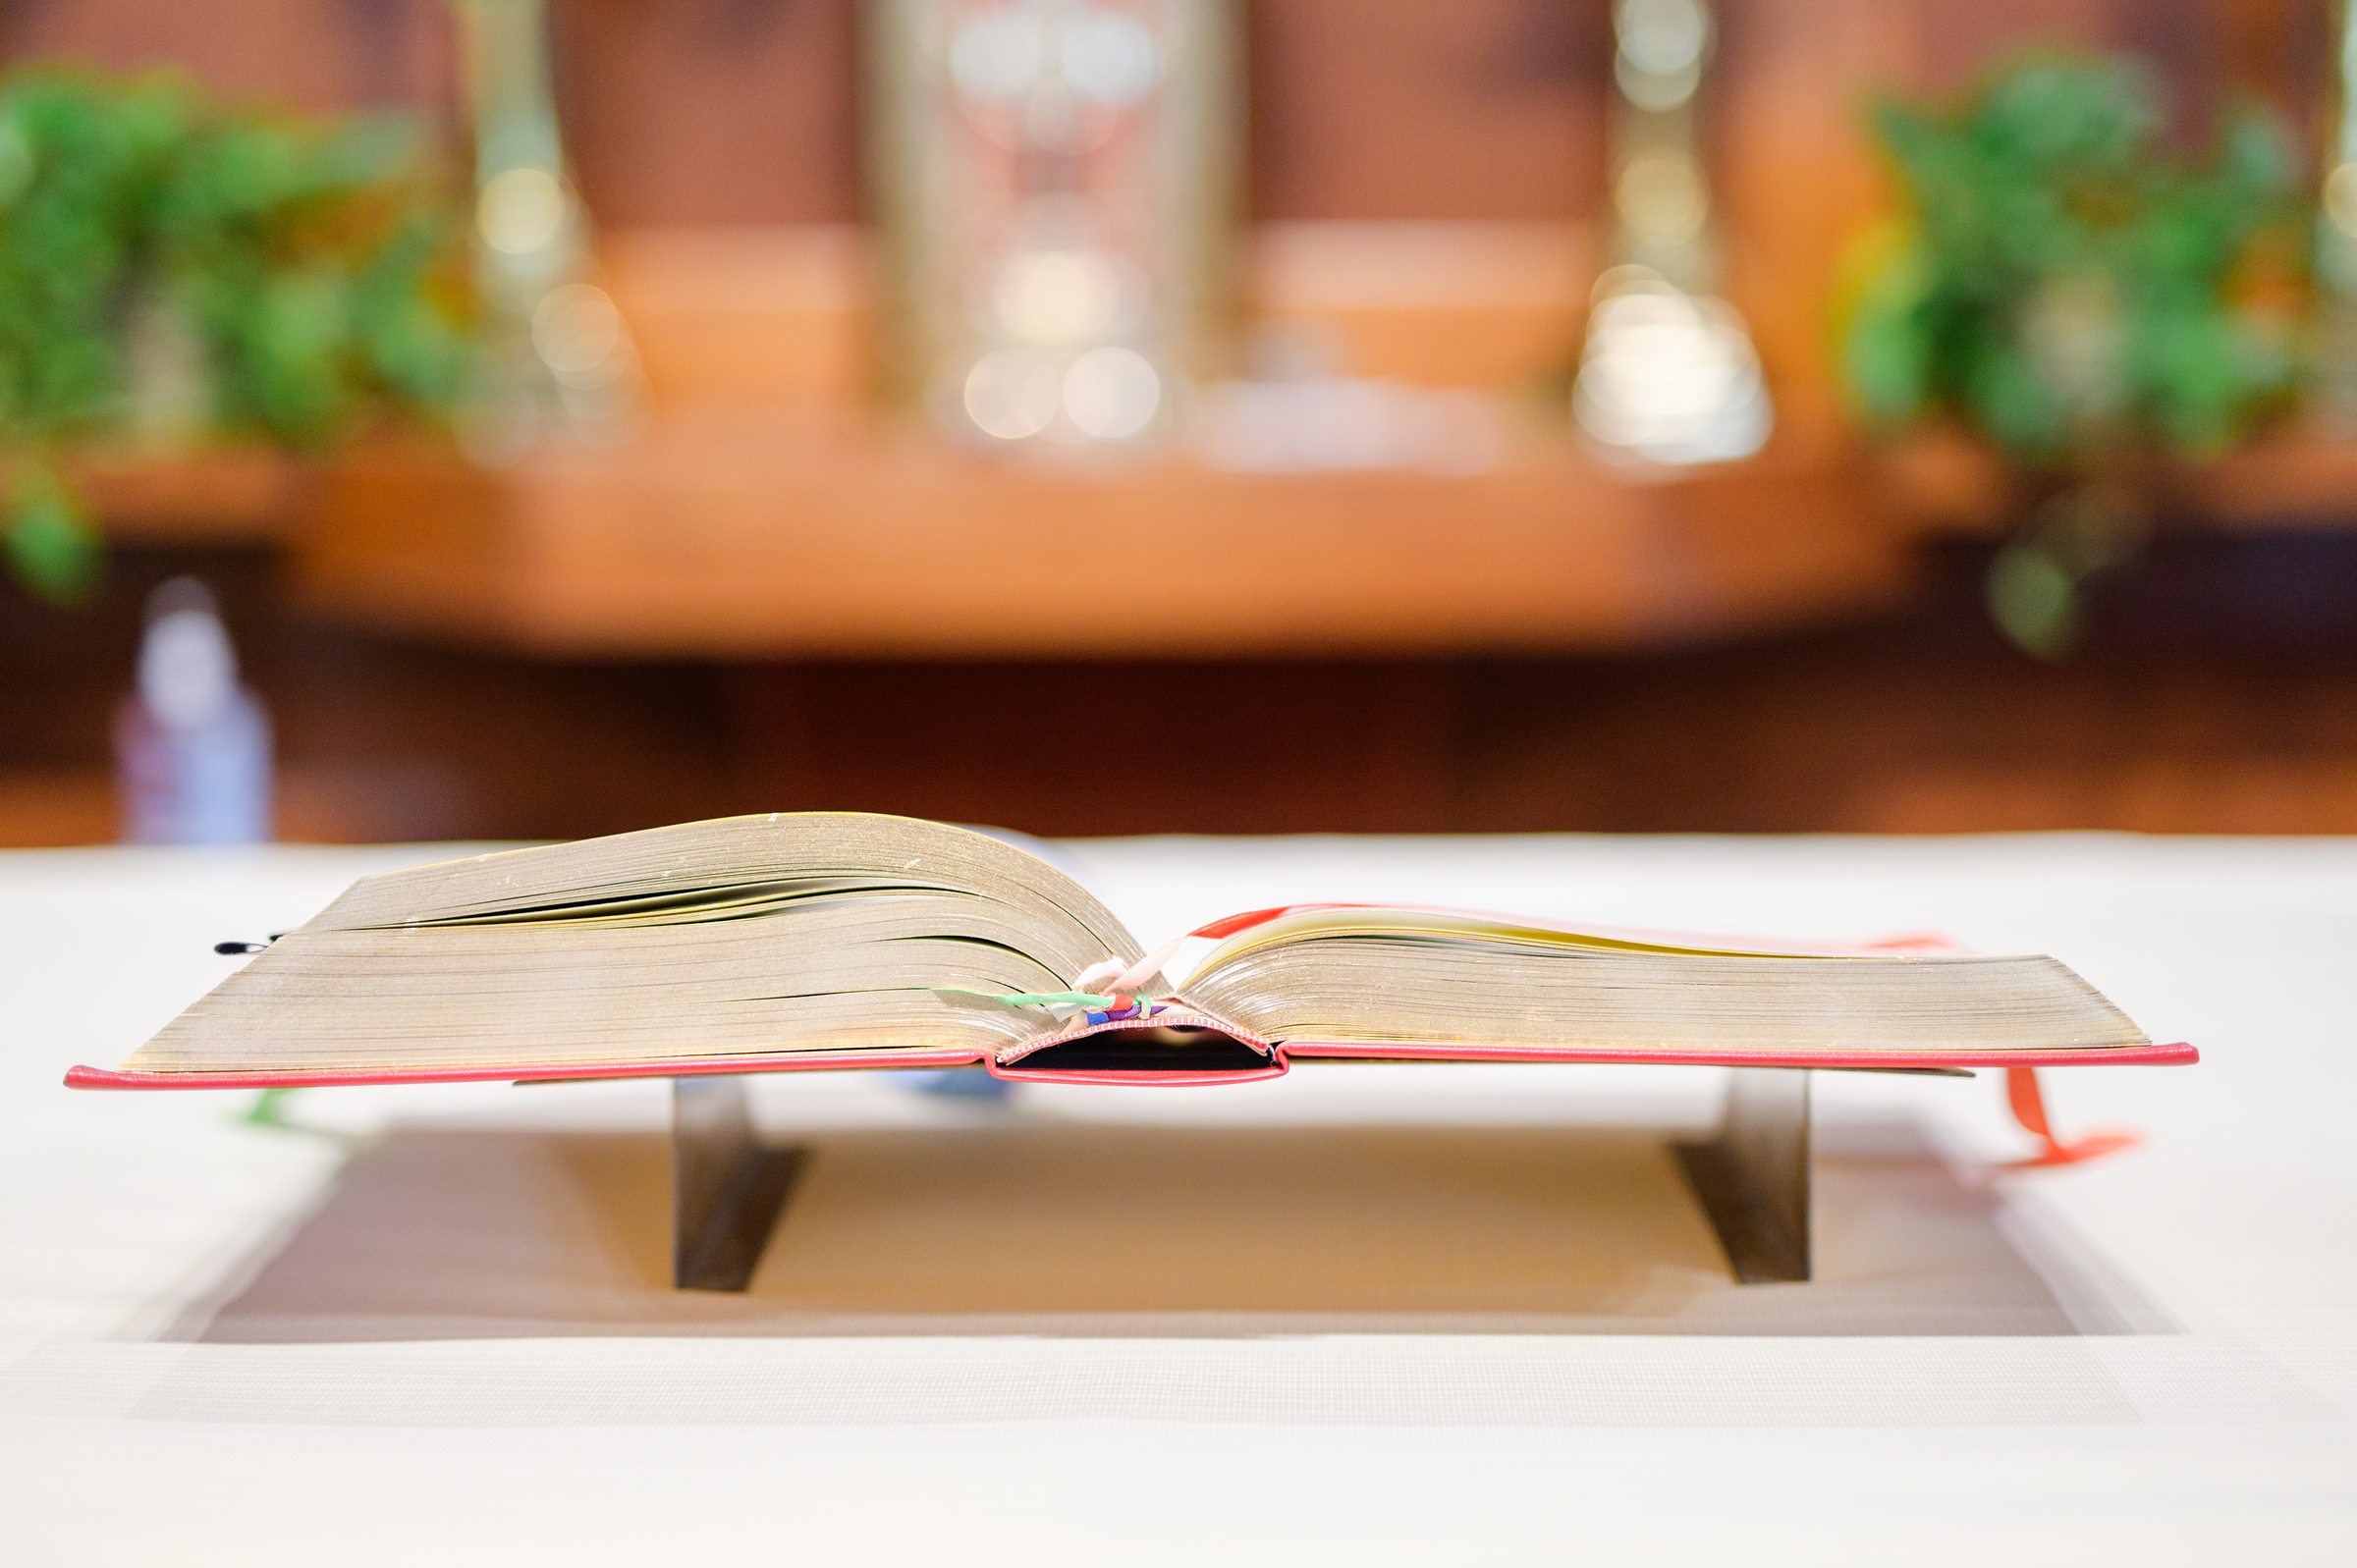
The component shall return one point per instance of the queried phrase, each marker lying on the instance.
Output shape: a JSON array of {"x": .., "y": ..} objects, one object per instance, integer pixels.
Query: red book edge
[{"x": 1280, "y": 1060}]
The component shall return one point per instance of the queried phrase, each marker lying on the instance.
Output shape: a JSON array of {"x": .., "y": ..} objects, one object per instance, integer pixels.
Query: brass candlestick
[
  {"x": 2333, "y": 346},
  {"x": 558, "y": 359},
  {"x": 1667, "y": 373}
]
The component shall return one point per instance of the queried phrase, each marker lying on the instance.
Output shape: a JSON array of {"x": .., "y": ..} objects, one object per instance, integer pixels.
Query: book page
[
  {"x": 752, "y": 936},
  {"x": 1373, "y": 982}
]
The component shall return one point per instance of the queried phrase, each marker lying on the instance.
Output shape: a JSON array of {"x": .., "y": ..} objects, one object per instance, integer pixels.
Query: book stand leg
[
  {"x": 1753, "y": 1178},
  {"x": 726, "y": 1187}
]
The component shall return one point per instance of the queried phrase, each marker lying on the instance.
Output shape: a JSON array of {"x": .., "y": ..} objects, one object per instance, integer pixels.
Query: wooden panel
[
  {"x": 1337, "y": 747},
  {"x": 711, "y": 111},
  {"x": 2219, "y": 694},
  {"x": 1443, "y": 304},
  {"x": 1795, "y": 181},
  {"x": 307, "y": 54},
  {"x": 1405, "y": 109},
  {"x": 56, "y": 807},
  {"x": 2299, "y": 476},
  {"x": 781, "y": 317},
  {"x": 232, "y": 495},
  {"x": 1929, "y": 724},
  {"x": 1954, "y": 41},
  {"x": 765, "y": 538},
  {"x": 2296, "y": 477}
]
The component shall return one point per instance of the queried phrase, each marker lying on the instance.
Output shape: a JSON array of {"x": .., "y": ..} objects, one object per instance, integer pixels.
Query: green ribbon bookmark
[{"x": 1038, "y": 998}]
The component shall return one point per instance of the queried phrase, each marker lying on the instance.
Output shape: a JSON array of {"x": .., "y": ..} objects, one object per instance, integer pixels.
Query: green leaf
[
  {"x": 2034, "y": 600},
  {"x": 1890, "y": 350},
  {"x": 50, "y": 545},
  {"x": 2000, "y": 385}
]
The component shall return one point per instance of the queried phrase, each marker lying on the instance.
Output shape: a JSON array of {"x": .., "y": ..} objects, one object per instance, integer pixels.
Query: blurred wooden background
[{"x": 1425, "y": 185}]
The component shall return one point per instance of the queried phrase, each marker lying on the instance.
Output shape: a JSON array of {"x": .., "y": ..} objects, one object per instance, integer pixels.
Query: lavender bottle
[{"x": 191, "y": 745}]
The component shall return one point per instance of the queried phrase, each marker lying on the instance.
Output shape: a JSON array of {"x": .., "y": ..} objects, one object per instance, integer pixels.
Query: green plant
[
  {"x": 172, "y": 270},
  {"x": 2065, "y": 284},
  {"x": 2082, "y": 297}
]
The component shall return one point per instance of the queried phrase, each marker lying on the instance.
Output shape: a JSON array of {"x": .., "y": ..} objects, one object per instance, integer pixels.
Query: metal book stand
[
  {"x": 727, "y": 1186},
  {"x": 1752, "y": 1179}
]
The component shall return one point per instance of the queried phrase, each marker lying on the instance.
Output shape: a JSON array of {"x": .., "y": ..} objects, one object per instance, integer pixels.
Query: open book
[{"x": 845, "y": 939}]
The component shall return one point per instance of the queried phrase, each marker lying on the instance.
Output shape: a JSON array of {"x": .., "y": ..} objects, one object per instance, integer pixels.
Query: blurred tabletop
[{"x": 1359, "y": 1315}]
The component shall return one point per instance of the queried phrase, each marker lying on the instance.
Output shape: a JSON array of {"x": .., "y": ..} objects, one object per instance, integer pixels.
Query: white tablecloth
[{"x": 1364, "y": 1314}]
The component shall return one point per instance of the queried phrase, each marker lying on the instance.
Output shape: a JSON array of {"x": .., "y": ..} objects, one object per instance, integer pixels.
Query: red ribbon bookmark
[{"x": 2029, "y": 1109}]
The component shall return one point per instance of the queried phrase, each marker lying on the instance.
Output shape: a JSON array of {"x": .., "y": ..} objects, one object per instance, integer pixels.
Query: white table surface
[{"x": 1361, "y": 1314}]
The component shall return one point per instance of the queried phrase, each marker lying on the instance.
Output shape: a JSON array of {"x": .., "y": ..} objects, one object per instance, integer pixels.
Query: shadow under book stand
[{"x": 1751, "y": 1178}]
